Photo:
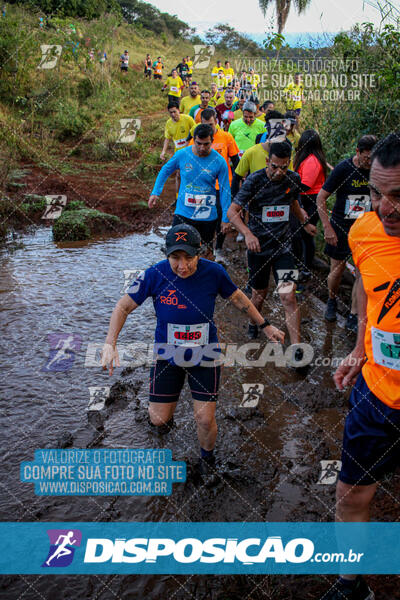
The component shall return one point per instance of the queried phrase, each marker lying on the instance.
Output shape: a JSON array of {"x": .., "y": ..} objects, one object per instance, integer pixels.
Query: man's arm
[
  {"x": 242, "y": 303},
  {"x": 164, "y": 148},
  {"x": 235, "y": 217},
  {"x": 350, "y": 367},
  {"x": 329, "y": 232},
  {"x": 236, "y": 179},
  {"x": 225, "y": 194},
  {"x": 170, "y": 167},
  {"x": 302, "y": 216}
]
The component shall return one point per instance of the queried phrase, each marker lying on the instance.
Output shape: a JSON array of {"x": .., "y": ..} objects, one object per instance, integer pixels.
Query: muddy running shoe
[
  {"x": 208, "y": 471},
  {"x": 219, "y": 256},
  {"x": 331, "y": 308},
  {"x": 352, "y": 323},
  {"x": 305, "y": 275},
  {"x": 240, "y": 237},
  {"x": 252, "y": 331},
  {"x": 359, "y": 591},
  {"x": 298, "y": 357}
]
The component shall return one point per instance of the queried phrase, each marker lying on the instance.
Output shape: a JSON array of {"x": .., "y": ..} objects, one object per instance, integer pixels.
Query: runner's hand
[
  {"x": 311, "y": 229},
  {"x": 108, "y": 355},
  {"x": 252, "y": 242},
  {"x": 152, "y": 201},
  {"x": 225, "y": 228},
  {"x": 348, "y": 370},
  {"x": 330, "y": 236},
  {"x": 274, "y": 334},
  {"x": 162, "y": 156}
]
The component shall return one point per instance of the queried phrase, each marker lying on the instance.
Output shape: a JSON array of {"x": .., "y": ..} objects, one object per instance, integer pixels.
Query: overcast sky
[{"x": 322, "y": 16}]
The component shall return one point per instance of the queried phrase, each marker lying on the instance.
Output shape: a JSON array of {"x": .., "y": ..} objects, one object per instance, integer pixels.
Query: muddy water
[{"x": 269, "y": 454}]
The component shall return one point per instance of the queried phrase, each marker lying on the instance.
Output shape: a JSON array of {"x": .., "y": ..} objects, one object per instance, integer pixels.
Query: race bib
[
  {"x": 173, "y": 88},
  {"x": 356, "y": 206},
  {"x": 180, "y": 143},
  {"x": 275, "y": 214},
  {"x": 188, "y": 335},
  {"x": 386, "y": 348},
  {"x": 200, "y": 200}
]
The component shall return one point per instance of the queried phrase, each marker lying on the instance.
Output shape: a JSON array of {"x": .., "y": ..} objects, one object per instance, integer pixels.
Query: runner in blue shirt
[
  {"x": 184, "y": 289},
  {"x": 199, "y": 166}
]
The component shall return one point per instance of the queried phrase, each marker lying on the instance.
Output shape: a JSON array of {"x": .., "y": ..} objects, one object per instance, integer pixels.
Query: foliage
[
  {"x": 83, "y": 224},
  {"x": 145, "y": 15},
  {"x": 376, "y": 111},
  {"x": 282, "y": 8},
  {"x": 88, "y": 9},
  {"x": 226, "y": 38}
]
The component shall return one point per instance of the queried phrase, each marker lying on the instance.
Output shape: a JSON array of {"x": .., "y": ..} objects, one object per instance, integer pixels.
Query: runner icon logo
[
  {"x": 55, "y": 205},
  {"x": 329, "y": 471},
  {"x": 50, "y": 56},
  {"x": 98, "y": 397},
  {"x": 63, "y": 349},
  {"x": 132, "y": 279},
  {"x": 63, "y": 543},
  {"x": 252, "y": 392},
  {"x": 286, "y": 280},
  {"x": 202, "y": 56},
  {"x": 129, "y": 129}
]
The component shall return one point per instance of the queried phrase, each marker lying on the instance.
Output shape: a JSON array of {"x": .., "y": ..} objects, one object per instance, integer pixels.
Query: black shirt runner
[{"x": 268, "y": 204}]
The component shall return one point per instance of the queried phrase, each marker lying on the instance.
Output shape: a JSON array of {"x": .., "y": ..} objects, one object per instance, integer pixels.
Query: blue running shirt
[{"x": 197, "y": 193}]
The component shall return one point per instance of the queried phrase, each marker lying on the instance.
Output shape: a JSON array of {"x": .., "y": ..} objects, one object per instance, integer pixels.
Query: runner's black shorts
[
  {"x": 124, "y": 68},
  {"x": 371, "y": 440},
  {"x": 342, "y": 250},
  {"x": 166, "y": 382},
  {"x": 260, "y": 267},
  {"x": 206, "y": 229},
  {"x": 156, "y": 76}
]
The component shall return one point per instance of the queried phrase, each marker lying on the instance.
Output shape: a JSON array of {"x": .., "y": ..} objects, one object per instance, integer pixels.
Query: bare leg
[
  {"x": 292, "y": 315},
  {"x": 204, "y": 414},
  {"x": 335, "y": 276}
]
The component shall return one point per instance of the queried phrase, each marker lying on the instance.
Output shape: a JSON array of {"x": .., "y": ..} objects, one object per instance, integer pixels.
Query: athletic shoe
[
  {"x": 331, "y": 308},
  {"x": 352, "y": 323},
  {"x": 219, "y": 256},
  {"x": 359, "y": 591},
  {"x": 298, "y": 357},
  {"x": 208, "y": 471},
  {"x": 252, "y": 331},
  {"x": 240, "y": 237},
  {"x": 300, "y": 288}
]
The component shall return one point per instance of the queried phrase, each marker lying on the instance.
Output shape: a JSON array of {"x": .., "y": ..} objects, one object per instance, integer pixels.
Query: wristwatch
[{"x": 265, "y": 324}]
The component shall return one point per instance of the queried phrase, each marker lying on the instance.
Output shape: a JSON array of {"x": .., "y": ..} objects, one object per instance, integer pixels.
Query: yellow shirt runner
[
  {"x": 178, "y": 131},
  {"x": 174, "y": 86}
]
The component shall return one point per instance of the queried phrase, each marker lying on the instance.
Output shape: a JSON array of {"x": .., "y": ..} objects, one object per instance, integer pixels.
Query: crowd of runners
[{"x": 250, "y": 169}]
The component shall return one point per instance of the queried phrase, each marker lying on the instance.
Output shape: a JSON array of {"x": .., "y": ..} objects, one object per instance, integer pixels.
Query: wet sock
[
  {"x": 206, "y": 453},
  {"x": 348, "y": 584}
]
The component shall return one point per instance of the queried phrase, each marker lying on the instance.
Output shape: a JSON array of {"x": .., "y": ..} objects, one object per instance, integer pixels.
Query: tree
[{"x": 283, "y": 9}]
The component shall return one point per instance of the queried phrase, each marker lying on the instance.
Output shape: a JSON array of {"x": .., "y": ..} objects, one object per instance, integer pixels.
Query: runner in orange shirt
[
  {"x": 371, "y": 442},
  {"x": 225, "y": 144}
]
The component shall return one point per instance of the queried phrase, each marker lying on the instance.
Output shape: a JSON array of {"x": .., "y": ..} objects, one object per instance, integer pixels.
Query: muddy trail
[{"x": 269, "y": 455}]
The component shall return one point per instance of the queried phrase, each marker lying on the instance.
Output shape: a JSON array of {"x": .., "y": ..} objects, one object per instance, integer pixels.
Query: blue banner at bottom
[{"x": 196, "y": 548}]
